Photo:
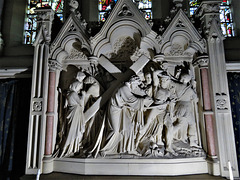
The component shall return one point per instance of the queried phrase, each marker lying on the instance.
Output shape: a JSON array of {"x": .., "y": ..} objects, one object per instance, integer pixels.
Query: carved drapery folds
[
  {"x": 126, "y": 102},
  {"x": 150, "y": 114},
  {"x": 134, "y": 104}
]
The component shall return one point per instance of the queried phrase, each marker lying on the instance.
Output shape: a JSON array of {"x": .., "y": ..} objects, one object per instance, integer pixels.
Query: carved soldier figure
[
  {"x": 152, "y": 131},
  {"x": 184, "y": 111}
]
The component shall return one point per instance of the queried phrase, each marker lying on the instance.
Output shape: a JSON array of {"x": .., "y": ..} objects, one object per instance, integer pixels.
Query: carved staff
[{"x": 194, "y": 103}]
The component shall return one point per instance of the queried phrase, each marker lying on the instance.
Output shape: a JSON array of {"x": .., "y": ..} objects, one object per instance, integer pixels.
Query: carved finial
[
  {"x": 178, "y": 3},
  {"x": 167, "y": 20},
  {"x": 150, "y": 23},
  {"x": 73, "y": 4},
  {"x": 173, "y": 11},
  {"x": 161, "y": 28}
]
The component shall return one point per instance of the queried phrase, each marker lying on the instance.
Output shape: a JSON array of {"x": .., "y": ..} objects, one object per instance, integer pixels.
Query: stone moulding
[{"x": 147, "y": 167}]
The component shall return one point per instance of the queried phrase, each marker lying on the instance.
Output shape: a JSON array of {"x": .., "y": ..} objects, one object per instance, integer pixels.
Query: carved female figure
[{"x": 75, "y": 118}]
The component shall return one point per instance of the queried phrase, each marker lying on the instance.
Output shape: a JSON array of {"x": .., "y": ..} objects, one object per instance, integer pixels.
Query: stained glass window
[
  {"x": 105, "y": 7},
  {"x": 30, "y": 26},
  {"x": 226, "y": 19},
  {"x": 193, "y": 6}
]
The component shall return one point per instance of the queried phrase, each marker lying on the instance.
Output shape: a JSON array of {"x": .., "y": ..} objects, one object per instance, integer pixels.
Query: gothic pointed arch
[
  {"x": 181, "y": 37},
  {"x": 125, "y": 21},
  {"x": 71, "y": 41}
]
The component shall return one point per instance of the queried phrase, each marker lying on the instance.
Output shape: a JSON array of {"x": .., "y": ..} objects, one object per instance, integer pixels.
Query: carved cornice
[{"x": 54, "y": 65}]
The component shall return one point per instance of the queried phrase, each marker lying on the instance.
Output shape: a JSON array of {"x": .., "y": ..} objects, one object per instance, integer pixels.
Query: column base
[
  {"x": 213, "y": 165},
  {"x": 48, "y": 164}
]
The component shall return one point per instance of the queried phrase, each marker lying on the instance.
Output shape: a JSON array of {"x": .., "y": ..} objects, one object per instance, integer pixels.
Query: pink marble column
[
  {"x": 208, "y": 117},
  {"x": 50, "y": 113}
]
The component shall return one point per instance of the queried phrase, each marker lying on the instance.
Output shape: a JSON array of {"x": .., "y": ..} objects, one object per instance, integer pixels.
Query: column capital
[
  {"x": 54, "y": 65},
  {"x": 201, "y": 61}
]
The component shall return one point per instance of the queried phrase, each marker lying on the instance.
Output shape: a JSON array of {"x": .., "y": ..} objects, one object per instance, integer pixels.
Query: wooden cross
[{"x": 120, "y": 77}]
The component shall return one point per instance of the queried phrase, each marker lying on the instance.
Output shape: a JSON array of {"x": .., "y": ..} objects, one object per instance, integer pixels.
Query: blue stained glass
[
  {"x": 193, "y": 6},
  {"x": 30, "y": 26}
]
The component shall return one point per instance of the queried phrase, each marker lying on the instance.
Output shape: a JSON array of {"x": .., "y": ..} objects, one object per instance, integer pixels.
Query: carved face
[
  {"x": 76, "y": 86},
  {"x": 80, "y": 76},
  {"x": 165, "y": 81},
  {"x": 164, "y": 66},
  {"x": 148, "y": 78},
  {"x": 185, "y": 78},
  {"x": 135, "y": 83}
]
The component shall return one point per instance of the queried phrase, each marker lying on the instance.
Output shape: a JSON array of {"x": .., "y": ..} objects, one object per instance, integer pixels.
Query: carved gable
[
  {"x": 71, "y": 38},
  {"x": 124, "y": 22},
  {"x": 181, "y": 38}
]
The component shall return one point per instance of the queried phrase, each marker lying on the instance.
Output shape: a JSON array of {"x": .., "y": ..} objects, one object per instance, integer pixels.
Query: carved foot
[
  {"x": 134, "y": 152},
  {"x": 194, "y": 145},
  {"x": 103, "y": 154},
  {"x": 170, "y": 154},
  {"x": 170, "y": 151}
]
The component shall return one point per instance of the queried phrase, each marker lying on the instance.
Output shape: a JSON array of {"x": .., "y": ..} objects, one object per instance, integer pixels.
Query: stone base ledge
[{"x": 145, "y": 167}]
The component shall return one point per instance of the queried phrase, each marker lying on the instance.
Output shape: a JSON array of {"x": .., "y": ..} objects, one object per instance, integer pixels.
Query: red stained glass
[
  {"x": 30, "y": 26},
  {"x": 226, "y": 19},
  {"x": 105, "y": 6}
]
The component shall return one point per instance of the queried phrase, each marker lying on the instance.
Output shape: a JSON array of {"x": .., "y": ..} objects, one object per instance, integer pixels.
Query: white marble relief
[{"x": 152, "y": 115}]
